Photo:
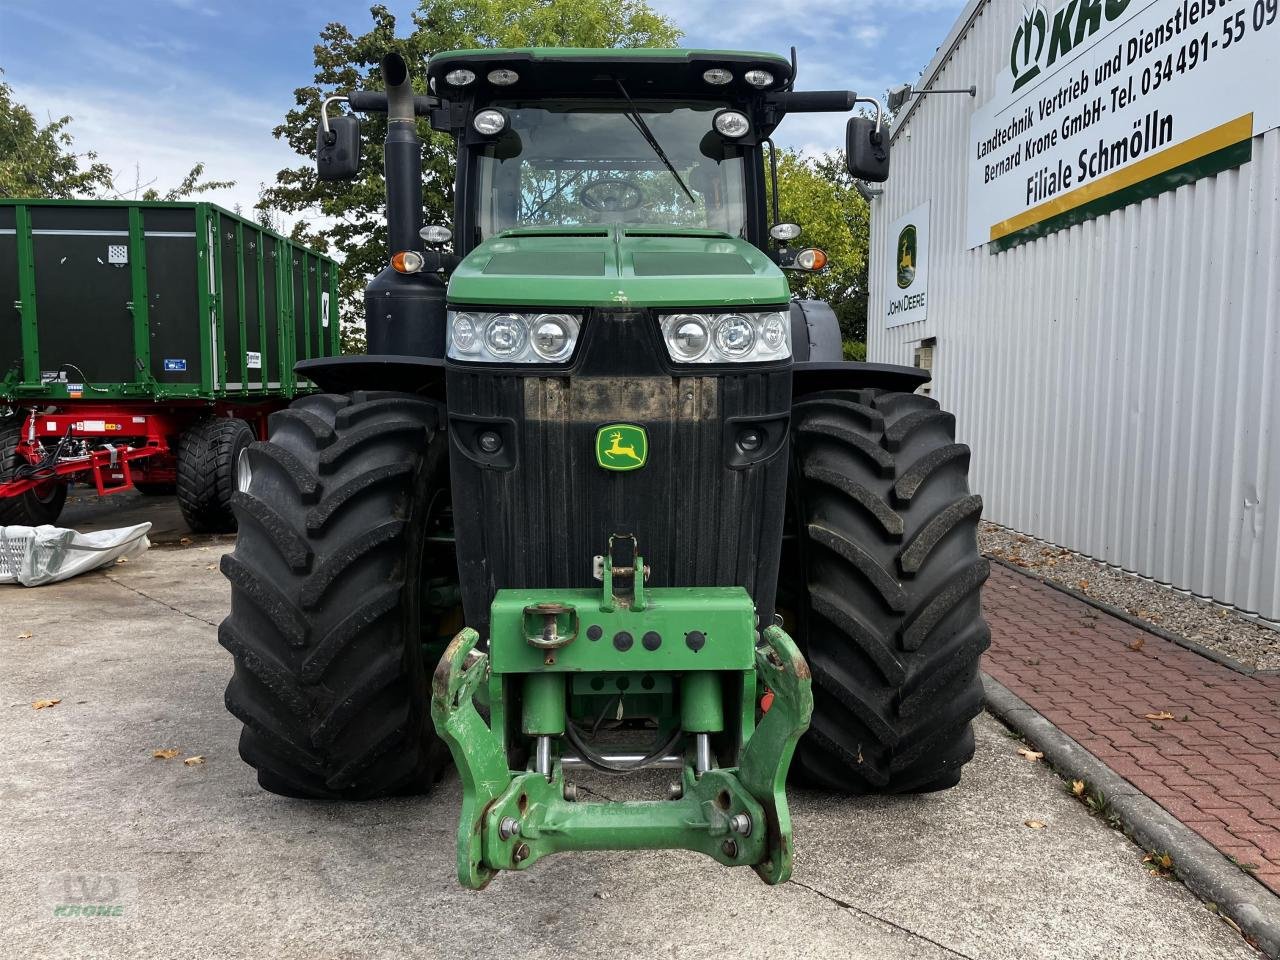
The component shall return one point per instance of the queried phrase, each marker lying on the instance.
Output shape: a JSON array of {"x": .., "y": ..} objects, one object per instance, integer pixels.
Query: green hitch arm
[{"x": 476, "y": 752}]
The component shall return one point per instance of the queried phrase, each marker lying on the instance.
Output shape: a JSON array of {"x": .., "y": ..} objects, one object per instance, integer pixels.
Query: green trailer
[{"x": 146, "y": 345}]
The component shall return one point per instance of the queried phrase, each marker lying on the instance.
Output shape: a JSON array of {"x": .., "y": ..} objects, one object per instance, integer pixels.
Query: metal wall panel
[{"x": 1117, "y": 380}]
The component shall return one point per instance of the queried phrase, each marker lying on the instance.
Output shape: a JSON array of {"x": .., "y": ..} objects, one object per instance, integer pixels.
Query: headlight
[
  {"x": 554, "y": 335},
  {"x": 460, "y": 77},
  {"x": 758, "y": 78},
  {"x": 489, "y": 122},
  {"x": 731, "y": 123},
  {"x": 509, "y": 337},
  {"x": 717, "y": 76},
  {"x": 737, "y": 337},
  {"x": 503, "y": 78}
]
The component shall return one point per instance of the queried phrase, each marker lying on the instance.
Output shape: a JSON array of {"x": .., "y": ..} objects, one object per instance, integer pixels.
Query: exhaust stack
[{"x": 402, "y": 159}]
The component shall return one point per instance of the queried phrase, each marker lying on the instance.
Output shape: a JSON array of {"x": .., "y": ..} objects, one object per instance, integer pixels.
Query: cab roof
[{"x": 589, "y": 71}]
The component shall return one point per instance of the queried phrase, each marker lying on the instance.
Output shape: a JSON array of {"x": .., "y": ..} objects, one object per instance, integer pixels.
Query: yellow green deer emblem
[{"x": 622, "y": 446}]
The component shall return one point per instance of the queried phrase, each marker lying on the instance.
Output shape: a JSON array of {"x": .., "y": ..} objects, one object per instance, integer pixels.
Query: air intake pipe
[
  {"x": 402, "y": 159},
  {"x": 404, "y": 312}
]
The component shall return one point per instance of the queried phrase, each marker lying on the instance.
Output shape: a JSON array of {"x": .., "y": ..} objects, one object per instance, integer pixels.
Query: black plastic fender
[
  {"x": 420, "y": 375},
  {"x": 818, "y": 375}
]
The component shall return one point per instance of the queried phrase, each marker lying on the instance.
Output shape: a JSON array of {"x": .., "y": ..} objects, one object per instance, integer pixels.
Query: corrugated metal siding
[{"x": 1117, "y": 380}]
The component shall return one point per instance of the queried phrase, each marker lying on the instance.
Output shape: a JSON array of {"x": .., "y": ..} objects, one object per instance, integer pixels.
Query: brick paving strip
[{"x": 1215, "y": 766}]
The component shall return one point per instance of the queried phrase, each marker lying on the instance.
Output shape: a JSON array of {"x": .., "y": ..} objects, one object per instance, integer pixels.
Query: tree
[
  {"x": 354, "y": 225},
  {"x": 41, "y": 161},
  {"x": 818, "y": 194}
]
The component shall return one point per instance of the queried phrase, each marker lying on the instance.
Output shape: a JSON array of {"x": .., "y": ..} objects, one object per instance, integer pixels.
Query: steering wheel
[{"x": 610, "y": 195}]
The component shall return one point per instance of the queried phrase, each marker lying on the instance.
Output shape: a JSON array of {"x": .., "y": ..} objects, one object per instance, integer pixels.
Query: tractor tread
[
  {"x": 328, "y": 675},
  {"x": 887, "y": 613}
]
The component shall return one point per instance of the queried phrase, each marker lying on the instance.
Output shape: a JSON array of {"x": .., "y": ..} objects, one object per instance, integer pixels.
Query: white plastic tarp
[{"x": 33, "y": 556}]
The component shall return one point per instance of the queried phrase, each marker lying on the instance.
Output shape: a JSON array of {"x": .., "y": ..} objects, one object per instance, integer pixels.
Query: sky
[{"x": 155, "y": 86}]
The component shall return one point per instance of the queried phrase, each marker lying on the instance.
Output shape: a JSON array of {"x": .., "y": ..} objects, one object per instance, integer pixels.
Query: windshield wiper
[{"x": 638, "y": 122}]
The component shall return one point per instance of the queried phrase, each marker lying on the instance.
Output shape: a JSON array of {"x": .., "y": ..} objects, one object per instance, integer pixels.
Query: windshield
[{"x": 587, "y": 162}]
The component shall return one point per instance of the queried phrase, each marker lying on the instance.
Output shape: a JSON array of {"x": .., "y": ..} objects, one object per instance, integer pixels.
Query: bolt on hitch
[{"x": 512, "y": 818}]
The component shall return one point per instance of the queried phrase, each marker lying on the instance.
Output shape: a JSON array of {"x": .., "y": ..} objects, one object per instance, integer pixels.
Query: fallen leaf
[
  {"x": 1162, "y": 715},
  {"x": 122, "y": 559},
  {"x": 168, "y": 754},
  {"x": 1083, "y": 585},
  {"x": 1077, "y": 788},
  {"x": 212, "y": 566},
  {"x": 42, "y": 704},
  {"x": 1137, "y": 644},
  {"x": 1031, "y": 756},
  {"x": 193, "y": 761},
  {"x": 1035, "y": 824},
  {"x": 184, "y": 539},
  {"x": 25, "y": 635}
]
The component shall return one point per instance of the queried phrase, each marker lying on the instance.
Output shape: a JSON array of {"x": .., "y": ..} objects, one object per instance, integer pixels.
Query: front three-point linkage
[{"x": 685, "y": 661}]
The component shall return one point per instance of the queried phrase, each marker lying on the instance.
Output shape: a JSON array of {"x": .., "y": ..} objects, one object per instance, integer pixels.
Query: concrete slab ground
[{"x": 206, "y": 865}]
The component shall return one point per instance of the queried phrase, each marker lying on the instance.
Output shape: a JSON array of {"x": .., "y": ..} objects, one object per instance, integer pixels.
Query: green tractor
[{"x": 595, "y": 474}]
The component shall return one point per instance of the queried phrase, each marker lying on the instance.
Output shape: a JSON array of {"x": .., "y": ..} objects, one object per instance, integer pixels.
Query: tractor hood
[{"x": 616, "y": 265}]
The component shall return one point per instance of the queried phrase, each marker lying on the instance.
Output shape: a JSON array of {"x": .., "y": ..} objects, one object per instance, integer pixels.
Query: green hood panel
[{"x": 617, "y": 266}]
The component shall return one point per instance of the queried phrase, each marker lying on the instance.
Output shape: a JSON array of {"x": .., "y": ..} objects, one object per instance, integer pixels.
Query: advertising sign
[
  {"x": 1107, "y": 102},
  {"x": 906, "y": 276}
]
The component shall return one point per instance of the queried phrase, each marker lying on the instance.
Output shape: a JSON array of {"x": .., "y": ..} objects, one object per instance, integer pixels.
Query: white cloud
[{"x": 164, "y": 139}]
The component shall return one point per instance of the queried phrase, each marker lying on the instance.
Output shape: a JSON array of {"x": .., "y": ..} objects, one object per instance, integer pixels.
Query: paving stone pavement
[{"x": 1215, "y": 765}]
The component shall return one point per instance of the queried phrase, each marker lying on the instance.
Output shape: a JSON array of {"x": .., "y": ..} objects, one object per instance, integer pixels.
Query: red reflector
[{"x": 766, "y": 701}]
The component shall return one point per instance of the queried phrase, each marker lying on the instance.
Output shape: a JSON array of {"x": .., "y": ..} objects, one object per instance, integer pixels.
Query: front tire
[
  {"x": 35, "y": 507},
  {"x": 886, "y": 594},
  {"x": 326, "y": 599}
]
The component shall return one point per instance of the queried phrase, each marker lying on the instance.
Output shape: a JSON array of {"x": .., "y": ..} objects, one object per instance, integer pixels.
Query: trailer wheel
[
  {"x": 207, "y": 456},
  {"x": 886, "y": 591},
  {"x": 31, "y": 509},
  {"x": 328, "y": 606}
]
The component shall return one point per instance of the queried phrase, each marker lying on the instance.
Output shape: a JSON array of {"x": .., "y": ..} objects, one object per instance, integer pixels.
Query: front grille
[{"x": 538, "y": 519}]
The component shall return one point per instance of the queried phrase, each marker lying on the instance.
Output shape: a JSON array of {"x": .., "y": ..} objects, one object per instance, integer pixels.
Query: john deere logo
[
  {"x": 622, "y": 446},
  {"x": 907, "y": 256},
  {"x": 1038, "y": 42}
]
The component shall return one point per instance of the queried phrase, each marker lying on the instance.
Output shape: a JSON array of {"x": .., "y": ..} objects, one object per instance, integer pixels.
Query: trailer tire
[
  {"x": 35, "y": 507},
  {"x": 886, "y": 594},
  {"x": 207, "y": 456},
  {"x": 328, "y": 610}
]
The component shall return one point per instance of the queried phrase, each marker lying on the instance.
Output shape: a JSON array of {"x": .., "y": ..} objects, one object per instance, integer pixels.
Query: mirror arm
[
  {"x": 324, "y": 116},
  {"x": 876, "y": 103},
  {"x": 773, "y": 176}
]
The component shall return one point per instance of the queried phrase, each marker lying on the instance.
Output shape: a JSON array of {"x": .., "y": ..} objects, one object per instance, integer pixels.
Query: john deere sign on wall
[
  {"x": 906, "y": 268},
  {"x": 1106, "y": 102}
]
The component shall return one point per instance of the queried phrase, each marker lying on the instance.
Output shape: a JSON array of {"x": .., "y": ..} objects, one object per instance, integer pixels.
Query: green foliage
[
  {"x": 855, "y": 350},
  {"x": 355, "y": 226},
  {"x": 191, "y": 185},
  {"x": 40, "y": 161},
  {"x": 818, "y": 194}
]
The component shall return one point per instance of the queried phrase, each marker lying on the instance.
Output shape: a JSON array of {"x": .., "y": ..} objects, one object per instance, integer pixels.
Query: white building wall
[{"x": 1117, "y": 380}]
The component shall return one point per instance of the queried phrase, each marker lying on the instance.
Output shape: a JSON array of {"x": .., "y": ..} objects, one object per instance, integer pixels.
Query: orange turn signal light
[
  {"x": 811, "y": 258},
  {"x": 407, "y": 261}
]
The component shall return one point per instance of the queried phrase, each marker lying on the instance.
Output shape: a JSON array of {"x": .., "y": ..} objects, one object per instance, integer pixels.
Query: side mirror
[
  {"x": 866, "y": 152},
  {"x": 338, "y": 151}
]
